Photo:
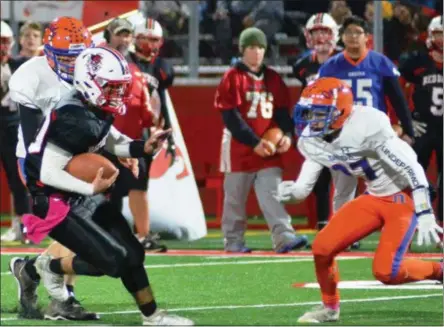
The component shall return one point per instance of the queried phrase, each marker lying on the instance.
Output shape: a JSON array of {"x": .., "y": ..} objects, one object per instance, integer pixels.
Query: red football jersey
[
  {"x": 256, "y": 97},
  {"x": 138, "y": 114}
]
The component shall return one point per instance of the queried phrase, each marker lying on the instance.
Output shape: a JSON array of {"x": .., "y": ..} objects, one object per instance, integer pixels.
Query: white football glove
[
  {"x": 427, "y": 229},
  {"x": 284, "y": 191},
  {"x": 419, "y": 128}
]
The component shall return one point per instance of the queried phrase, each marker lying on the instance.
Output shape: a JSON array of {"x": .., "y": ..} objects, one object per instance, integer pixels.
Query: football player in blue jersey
[{"x": 371, "y": 75}]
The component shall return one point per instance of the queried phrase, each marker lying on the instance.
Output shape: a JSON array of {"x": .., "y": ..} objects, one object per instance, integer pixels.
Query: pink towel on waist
[{"x": 37, "y": 228}]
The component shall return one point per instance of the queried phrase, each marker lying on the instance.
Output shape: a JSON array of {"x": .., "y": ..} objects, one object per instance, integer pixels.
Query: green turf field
[{"x": 215, "y": 289}]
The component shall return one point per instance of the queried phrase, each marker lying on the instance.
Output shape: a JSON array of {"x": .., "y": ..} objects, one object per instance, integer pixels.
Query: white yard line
[
  {"x": 272, "y": 305},
  {"x": 221, "y": 263}
]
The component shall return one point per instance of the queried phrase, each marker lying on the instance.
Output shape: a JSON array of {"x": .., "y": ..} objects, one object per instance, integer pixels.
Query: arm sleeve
[
  {"x": 123, "y": 146},
  {"x": 281, "y": 114},
  {"x": 23, "y": 88},
  {"x": 393, "y": 90},
  {"x": 282, "y": 118},
  {"x": 344, "y": 188},
  {"x": 52, "y": 172},
  {"x": 405, "y": 68},
  {"x": 400, "y": 157},
  {"x": 307, "y": 178},
  {"x": 238, "y": 128},
  {"x": 30, "y": 120}
]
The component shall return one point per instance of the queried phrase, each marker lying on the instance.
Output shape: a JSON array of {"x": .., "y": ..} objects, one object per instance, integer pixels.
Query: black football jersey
[
  {"x": 74, "y": 127},
  {"x": 421, "y": 70},
  {"x": 9, "y": 114},
  {"x": 306, "y": 67},
  {"x": 158, "y": 72}
]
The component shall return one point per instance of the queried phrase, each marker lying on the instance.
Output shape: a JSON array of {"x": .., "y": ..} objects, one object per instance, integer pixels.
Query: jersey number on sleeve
[
  {"x": 262, "y": 99},
  {"x": 437, "y": 108},
  {"x": 36, "y": 146},
  {"x": 363, "y": 164},
  {"x": 362, "y": 90}
]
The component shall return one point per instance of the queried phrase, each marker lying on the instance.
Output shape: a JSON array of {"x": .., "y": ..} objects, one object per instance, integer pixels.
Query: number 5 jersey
[{"x": 421, "y": 70}]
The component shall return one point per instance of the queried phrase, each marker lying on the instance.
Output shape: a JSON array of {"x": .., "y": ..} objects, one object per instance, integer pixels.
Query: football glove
[
  {"x": 419, "y": 128},
  {"x": 428, "y": 229},
  {"x": 285, "y": 191}
]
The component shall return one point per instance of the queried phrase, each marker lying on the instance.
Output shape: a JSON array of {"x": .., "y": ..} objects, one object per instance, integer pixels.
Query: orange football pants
[{"x": 396, "y": 217}]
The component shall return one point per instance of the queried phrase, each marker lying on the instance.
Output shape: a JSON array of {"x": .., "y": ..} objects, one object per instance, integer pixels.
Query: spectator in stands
[
  {"x": 387, "y": 12},
  {"x": 420, "y": 25},
  {"x": 172, "y": 15},
  {"x": 339, "y": 10},
  {"x": 231, "y": 17},
  {"x": 30, "y": 39},
  {"x": 398, "y": 31}
]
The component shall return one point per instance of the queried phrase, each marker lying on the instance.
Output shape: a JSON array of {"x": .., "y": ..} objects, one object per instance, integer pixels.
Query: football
[
  {"x": 85, "y": 166},
  {"x": 274, "y": 135}
]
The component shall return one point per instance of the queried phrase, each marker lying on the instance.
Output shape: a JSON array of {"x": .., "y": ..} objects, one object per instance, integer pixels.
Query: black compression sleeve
[
  {"x": 30, "y": 119},
  {"x": 282, "y": 117},
  {"x": 239, "y": 128},
  {"x": 136, "y": 149},
  {"x": 393, "y": 90}
]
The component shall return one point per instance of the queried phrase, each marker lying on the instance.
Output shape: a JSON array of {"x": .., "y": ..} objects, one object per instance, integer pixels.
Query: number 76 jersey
[
  {"x": 256, "y": 96},
  {"x": 367, "y": 148},
  {"x": 365, "y": 76}
]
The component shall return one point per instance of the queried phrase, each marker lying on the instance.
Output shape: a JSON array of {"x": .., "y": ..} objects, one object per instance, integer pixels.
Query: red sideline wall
[{"x": 202, "y": 129}]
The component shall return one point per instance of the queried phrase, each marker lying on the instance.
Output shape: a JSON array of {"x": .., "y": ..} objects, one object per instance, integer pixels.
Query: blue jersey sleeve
[
  {"x": 388, "y": 68},
  {"x": 323, "y": 71}
]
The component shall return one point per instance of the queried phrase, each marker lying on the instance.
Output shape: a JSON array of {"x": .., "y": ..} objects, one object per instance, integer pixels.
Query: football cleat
[
  {"x": 162, "y": 318},
  {"x": 150, "y": 244},
  {"x": 13, "y": 234},
  {"x": 237, "y": 248},
  {"x": 297, "y": 243},
  {"x": 319, "y": 315},
  {"x": 68, "y": 310},
  {"x": 27, "y": 289}
]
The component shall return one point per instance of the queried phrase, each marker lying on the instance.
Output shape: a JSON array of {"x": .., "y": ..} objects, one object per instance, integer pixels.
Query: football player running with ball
[
  {"x": 253, "y": 98},
  {"x": 65, "y": 207},
  {"x": 359, "y": 141},
  {"x": 36, "y": 87}
]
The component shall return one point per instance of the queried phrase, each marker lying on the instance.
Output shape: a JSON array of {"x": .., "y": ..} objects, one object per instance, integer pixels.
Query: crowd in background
[{"x": 221, "y": 21}]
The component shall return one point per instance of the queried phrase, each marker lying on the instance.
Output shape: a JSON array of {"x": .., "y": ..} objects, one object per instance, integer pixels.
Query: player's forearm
[
  {"x": 30, "y": 120},
  {"x": 396, "y": 96},
  {"x": 282, "y": 118},
  {"x": 52, "y": 172},
  {"x": 123, "y": 146},
  {"x": 239, "y": 129},
  {"x": 306, "y": 181},
  {"x": 400, "y": 157}
]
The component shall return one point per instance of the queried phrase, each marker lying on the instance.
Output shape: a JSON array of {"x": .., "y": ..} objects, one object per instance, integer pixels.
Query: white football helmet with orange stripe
[
  {"x": 103, "y": 77},
  {"x": 321, "y": 32},
  {"x": 149, "y": 37}
]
